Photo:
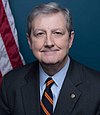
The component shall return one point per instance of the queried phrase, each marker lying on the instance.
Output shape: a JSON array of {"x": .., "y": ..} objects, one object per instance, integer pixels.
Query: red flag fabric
[{"x": 10, "y": 56}]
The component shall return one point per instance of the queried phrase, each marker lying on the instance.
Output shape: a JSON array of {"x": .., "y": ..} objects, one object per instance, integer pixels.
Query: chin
[{"x": 49, "y": 62}]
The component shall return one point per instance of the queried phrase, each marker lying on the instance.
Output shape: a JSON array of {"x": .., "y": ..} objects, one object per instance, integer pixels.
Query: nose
[{"x": 49, "y": 42}]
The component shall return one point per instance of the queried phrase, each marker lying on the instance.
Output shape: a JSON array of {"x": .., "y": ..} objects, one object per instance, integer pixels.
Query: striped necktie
[{"x": 47, "y": 99}]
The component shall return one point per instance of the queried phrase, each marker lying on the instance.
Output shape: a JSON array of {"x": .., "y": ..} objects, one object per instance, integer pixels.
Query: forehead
[{"x": 49, "y": 20}]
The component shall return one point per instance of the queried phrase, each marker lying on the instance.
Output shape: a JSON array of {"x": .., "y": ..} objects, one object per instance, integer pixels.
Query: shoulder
[
  {"x": 20, "y": 71},
  {"x": 17, "y": 76},
  {"x": 86, "y": 72}
]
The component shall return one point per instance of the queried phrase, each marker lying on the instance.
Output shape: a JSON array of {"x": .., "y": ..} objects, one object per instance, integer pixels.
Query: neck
[{"x": 52, "y": 69}]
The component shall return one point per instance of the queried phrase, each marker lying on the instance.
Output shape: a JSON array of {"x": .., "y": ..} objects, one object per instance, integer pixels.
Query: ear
[
  {"x": 29, "y": 40},
  {"x": 71, "y": 38}
]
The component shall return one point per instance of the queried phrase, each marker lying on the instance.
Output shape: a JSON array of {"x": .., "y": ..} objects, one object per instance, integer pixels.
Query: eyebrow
[{"x": 55, "y": 29}]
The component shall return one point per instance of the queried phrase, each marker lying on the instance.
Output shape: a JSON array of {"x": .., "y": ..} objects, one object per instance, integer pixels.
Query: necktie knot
[{"x": 49, "y": 82}]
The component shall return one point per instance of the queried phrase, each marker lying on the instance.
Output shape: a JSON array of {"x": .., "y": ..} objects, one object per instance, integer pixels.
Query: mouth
[{"x": 50, "y": 52}]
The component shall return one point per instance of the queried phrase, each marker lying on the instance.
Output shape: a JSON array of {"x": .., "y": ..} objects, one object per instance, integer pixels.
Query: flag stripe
[
  {"x": 10, "y": 20},
  {"x": 0, "y": 75},
  {"x": 0, "y": 78},
  {"x": 8, "y": 39},
  {"x": 5, "y": 64}
]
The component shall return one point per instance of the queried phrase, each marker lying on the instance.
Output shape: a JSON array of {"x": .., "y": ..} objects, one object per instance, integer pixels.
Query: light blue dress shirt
[{"x": 58, "y": 79}]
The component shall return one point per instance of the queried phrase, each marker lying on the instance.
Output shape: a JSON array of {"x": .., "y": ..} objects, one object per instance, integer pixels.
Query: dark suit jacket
[{"x": 80, "y": 93}]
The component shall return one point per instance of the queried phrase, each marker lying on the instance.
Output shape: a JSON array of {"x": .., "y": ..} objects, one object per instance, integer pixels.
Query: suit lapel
[
  {"x": 30, "y": 93},
  {"x": 67, "y": 99},
  {"x": 69, "y": 94}
]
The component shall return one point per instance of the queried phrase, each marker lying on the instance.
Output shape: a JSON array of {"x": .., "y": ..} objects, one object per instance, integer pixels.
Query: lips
[{"x": 49, "y": 50}]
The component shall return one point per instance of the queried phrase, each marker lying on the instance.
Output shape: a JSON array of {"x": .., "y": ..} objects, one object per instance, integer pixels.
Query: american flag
[{"x": 10, "y": 56}]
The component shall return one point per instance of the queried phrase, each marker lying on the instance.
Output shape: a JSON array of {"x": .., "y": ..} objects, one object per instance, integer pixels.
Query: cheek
[
  {"x": 63, "y": 44},
  {"x": 36, "y": 47}
]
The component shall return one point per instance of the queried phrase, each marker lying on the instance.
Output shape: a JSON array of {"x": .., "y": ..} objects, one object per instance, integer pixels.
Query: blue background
[{"x": 86, "y": 21}]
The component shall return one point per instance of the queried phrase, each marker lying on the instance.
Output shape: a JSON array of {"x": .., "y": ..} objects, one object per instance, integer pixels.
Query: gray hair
[{"x": 49, "y": 8}]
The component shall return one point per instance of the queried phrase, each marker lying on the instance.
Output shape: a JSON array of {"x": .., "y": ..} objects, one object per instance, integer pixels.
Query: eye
[
  {"x": 39, "y": 34},
  {"x": 58, "y": 33}
]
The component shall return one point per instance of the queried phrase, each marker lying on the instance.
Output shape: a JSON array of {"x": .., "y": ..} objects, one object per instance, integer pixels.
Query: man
[{"x": 75, "y": 88}]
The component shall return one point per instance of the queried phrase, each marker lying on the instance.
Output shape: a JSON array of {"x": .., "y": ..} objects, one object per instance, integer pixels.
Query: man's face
[{"x": 50, "y": 41}]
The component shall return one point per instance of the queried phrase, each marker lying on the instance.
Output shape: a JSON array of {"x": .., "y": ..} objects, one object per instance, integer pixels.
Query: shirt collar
[{"x": 58, "y": 77}]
